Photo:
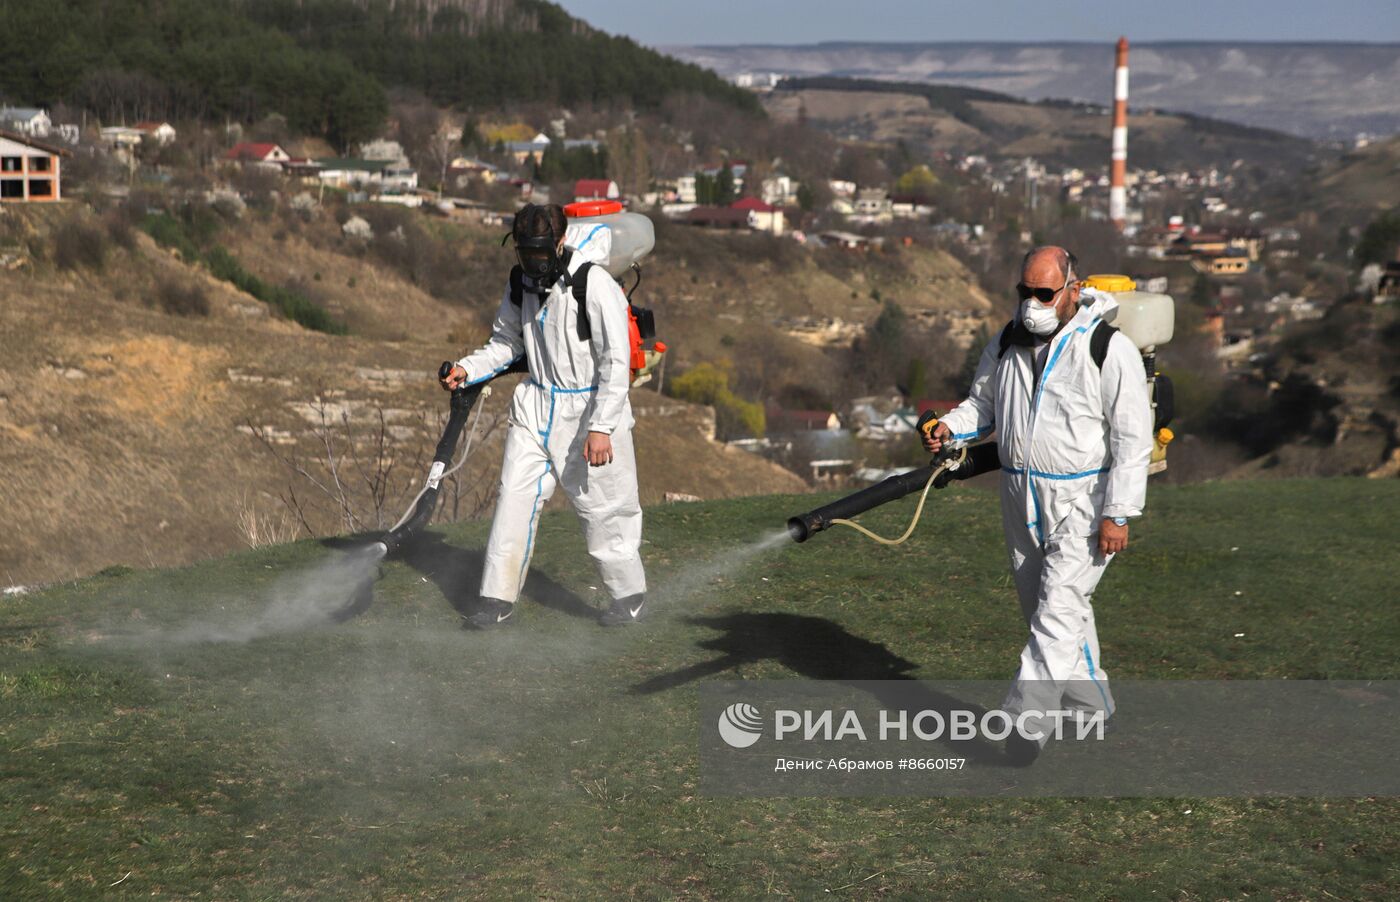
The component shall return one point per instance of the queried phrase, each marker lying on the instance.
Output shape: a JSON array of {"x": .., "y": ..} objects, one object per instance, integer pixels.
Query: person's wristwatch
[{"x": 1119, "y": 521}]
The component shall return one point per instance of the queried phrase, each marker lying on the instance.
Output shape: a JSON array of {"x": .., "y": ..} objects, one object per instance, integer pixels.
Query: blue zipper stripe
[
  {"x": 496, "y": 372},
  {"x": 1035, "y": 409},
  {"x": 539, "y": 491},
  {"x": 978, "y": 433},
  {"x": 596, "y": 230},
  {"x": 1017, "y": 471},
  {"x": 1089, "y": 659}
]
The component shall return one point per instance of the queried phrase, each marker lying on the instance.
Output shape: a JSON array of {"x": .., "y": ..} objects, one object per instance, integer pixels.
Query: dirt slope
[{"x": 127, "y": 430}]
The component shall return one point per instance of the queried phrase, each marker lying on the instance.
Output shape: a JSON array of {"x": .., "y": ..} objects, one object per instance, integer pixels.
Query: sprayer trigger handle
[
  {"x": 446, "y": 369},
  {"x": 927, "y": 423}
]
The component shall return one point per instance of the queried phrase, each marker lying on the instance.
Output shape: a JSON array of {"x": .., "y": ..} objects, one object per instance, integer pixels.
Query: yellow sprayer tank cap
[{"x": 1110, "y": 283}]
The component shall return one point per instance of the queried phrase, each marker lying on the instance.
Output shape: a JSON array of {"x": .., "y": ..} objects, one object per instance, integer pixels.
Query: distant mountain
[
  {"x": 1314, "y": 90},
  {"x": 955, "y": 119}
]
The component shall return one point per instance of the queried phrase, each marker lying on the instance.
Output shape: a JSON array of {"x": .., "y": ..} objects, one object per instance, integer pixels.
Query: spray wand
[{"x": 947, "y": 465}]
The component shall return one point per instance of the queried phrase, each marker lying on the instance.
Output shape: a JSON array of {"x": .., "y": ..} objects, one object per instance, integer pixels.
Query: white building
[
  {"x": 29, "y": 121},
  {"x": 158, "y": 131}
]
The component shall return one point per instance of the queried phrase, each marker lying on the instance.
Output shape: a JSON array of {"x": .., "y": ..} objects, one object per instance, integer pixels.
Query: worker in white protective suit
[
  {"x": 570, "y": 421},
  {"x": 1074, "y": 437}
]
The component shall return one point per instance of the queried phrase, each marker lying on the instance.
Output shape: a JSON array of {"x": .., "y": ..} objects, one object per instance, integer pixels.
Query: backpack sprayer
[
  {"x": 607, "y": 238},
  {"x": 1147, "y": 318}
]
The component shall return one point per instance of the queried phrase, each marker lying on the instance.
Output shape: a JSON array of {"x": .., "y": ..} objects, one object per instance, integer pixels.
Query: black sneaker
[
  {"x": 491, "y": 613},
  {"x": 623, "y": 610},
  {"x": 1020, "y": 751}
]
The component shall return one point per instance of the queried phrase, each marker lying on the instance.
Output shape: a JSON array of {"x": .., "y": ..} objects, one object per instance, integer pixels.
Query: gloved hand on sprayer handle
[
  {"x": 932, "y": 432},
  {"x": 597, "y": 447}
]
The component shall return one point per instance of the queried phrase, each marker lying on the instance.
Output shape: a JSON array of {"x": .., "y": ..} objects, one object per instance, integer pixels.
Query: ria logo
[{"x": 740, "y": 725}]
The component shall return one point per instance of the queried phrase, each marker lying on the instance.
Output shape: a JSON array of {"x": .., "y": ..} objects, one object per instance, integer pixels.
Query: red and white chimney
[{"x": 1118, "y": 188}]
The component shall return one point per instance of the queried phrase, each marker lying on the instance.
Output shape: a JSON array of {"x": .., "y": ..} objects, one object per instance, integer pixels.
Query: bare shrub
[
  {"x": 368, "y": 471},
  {"x": 182, "y": 298},
  {"x": 259, "y": 529},
  {"x": 79, "y": 244}
]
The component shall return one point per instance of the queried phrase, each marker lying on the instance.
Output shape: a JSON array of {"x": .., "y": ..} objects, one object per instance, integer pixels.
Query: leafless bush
[
  {"x": 182, "y": 298},
  {"x": 79, "y": 244},
  {"x": 259, "y": 529},
  {"x": 368, "y": 470}
]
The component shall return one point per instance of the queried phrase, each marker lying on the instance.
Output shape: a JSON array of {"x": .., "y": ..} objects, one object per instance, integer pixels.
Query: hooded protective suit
[
  {"x": 575, "y": 387},
  {"x": 1074, "y": 442}
]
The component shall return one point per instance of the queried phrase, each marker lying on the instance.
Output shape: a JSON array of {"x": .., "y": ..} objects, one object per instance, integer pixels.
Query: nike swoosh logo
[
  {"x": 635, "y": 611},
  {"x": 500, "y": 617}
]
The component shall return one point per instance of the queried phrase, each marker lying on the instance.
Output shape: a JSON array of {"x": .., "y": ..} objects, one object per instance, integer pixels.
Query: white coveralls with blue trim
[
  {"x": 1074, "y": 442},
  {"x": 574, "y": 387}
]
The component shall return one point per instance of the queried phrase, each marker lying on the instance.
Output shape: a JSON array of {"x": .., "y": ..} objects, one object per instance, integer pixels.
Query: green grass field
[{"x": 397, "y": 756}]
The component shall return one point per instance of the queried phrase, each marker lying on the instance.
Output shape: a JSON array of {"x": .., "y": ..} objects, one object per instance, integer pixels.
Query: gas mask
[{"x": 539, "y": 259}]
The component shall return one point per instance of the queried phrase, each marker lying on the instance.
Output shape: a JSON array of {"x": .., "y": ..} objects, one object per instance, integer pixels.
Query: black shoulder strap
[
  {"x": 1015, "y": 333},
  {"x": 517, "y": 285},
  {"x": 1098, "y": 343},
  {"x": 579, "y": 283},
  {"x": 1005, "y": 341}
]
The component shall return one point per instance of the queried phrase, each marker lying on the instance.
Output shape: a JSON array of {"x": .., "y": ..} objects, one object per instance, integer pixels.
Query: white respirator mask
[{"x": 1039, "y": 319}]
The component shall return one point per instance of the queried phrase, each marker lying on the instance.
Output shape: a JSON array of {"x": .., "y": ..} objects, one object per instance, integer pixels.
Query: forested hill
[{"x": 324, "y": 64}]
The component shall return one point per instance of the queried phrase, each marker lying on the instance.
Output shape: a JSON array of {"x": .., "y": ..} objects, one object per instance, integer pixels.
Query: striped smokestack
[{"x": 1118, "y": 190}]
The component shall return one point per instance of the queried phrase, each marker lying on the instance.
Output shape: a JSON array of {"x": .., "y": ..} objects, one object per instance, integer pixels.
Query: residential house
[
  {"x": 30, "y": 170},
  {"x": 31, "y": 122},
  {"x": 1223, "y": 265},
  {"x": 595, "y": 189},
  {"x": 354, "y": 172},
  {"x": 303, "y": 169},
  {"x": 161, "y": 133},
  {"x": 528, "y": 151},
  {"x": 783, "y": 422},
  {"x": 848, "y": 240},
  {"x": 764, "y": 216},
  {"x": 382, "y": 149},
  {"x": 685, "y": 189},
  {"x": 463, "y": 170},
  {"x": 720, "y": 218},
  {"x": 908, "y": 206},
  {"x": 841, "y": 188},
  {"x": 120, "y": 138},
  {"x": 873, "y": 206},
  {"x": 253, "y": 153},
  {"x": 1388, "y": 288},
  {"x": 779, "y": 190}
]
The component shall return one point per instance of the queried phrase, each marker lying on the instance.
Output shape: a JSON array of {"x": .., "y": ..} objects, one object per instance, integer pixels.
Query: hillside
[
  {"x": 395, "y": 756},
  {"x": 127, "y": 428},
  {"x": 1366, "y": 179},
  {"x": 961, "y": 120},
  {"x": 1313, "y": 90},
  {"x": 324, "y": 66}
]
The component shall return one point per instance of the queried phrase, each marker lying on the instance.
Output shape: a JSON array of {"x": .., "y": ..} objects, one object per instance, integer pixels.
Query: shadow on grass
[
  {"x": 457, "y": 574},
  {"x": 818, "y": 649}
]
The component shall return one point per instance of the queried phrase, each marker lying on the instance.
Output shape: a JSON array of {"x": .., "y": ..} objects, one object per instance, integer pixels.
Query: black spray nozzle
[
  {"x": 980, "y": 459},
  {"x": 804, "y": 526}
]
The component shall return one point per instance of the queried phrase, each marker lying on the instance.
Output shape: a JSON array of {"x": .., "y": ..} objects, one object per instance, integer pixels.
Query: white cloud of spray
[{"x": 301, "y": 600}]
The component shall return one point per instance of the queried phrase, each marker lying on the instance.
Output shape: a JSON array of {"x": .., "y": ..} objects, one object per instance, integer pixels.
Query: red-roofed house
[
  {"x": 162, "y": 133},
  {"x": 765, "y": 216},
  {"x": 596, "y": 189},
  {"x": 269, "y": 156}
]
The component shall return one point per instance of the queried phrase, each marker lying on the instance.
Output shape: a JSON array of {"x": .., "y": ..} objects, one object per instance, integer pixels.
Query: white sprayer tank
[
  {"x": 1146, "y": 317},
  {"x": 609, "y": 237}
]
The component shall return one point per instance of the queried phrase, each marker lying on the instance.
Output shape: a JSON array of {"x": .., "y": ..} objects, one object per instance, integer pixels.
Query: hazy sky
[{"x": 809, "y": 21}]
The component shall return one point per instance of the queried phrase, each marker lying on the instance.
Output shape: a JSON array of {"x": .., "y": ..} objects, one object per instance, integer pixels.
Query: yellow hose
[{"x": 950, "y": 463}]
